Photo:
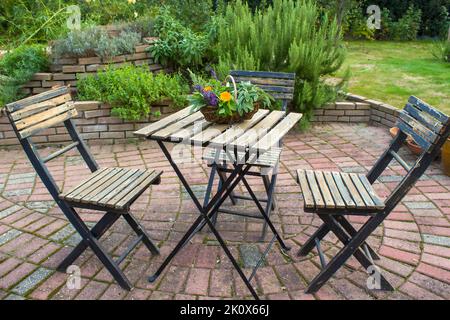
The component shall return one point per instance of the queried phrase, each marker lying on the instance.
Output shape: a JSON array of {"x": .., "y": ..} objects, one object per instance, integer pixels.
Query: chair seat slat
[
  {"x": 128, "y": 188},
  {"x": 94, "y": 177},
  {"x": 306, "y": 190},
  {"x": 362, "y": 191},
  {"x": 318, "y": 200},
  {"x": 111, "y": 187},
  {"x": 376, "y": 200},
  {"x": 326, "y": 194},
  {"x": 353, "y": 191},
  {"x": 138, "y": 190},
  {"x": 79, "y": 195},
  {"x": 344, "y": 192},
  {"x": 339, "y": 202}
]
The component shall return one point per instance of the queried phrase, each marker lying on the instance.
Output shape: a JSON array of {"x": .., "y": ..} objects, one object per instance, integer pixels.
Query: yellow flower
[
  {"x": 208, "y": 88},
  {"x": 225, "y": 96},
  {"x": 131, "y": 1}
]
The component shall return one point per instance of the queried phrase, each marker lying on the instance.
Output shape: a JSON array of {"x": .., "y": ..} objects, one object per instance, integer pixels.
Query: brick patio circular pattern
[{"x": 414, "y": 242}]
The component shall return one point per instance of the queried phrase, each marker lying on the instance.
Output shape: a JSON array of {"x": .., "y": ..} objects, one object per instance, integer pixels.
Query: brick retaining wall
[
  {"x": 358, "y": 109},
  {"x": 64, "y": 71},
  {"x": 94, "y": 122}
]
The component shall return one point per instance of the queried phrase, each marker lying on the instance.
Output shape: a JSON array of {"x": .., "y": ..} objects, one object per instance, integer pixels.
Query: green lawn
[{"x": 393, "y": 71}]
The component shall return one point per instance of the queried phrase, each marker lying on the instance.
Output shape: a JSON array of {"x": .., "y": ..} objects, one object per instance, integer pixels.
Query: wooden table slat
[
  {"x": 237, "y": 130},
  {"x": 177, "y": 126},
  {"x": 148, "y": 130},
  {"x": 189, "y": 131},
  {"x": 259, "y": 130},
  {"x": 273, "y": 137}
]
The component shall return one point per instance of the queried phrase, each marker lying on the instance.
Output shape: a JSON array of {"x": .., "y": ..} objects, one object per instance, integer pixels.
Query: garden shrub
[
  {"x": 131, "y": 90},
  {"x": 96, "y": 41},
  {"x": 17, "y": 68},
  {"x": 407, "y": 27},
  {"x": 290, "y": 36},
  {"x": 178, "y": 46}
]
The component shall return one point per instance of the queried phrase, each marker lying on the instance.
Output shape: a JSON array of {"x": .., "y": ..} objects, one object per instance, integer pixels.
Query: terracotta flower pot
[{"x": 446, "y": 158}]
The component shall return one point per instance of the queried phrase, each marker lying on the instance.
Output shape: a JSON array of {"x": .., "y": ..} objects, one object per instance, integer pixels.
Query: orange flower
[
  {"x": 208, "y": 88},
  {"x": 225, "y": 96}
]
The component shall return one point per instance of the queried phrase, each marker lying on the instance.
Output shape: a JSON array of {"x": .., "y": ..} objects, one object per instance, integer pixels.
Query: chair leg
[
  {"x": 97, "y": 231},
  {"x": 140, "y": 231},
  {"x": 311, "y": 243},
  {"x": 266, "y": 182},
  {"x": 352, "y": 231},
  {"x": 223, "y": 177},
  {"x": 109, "y": 263},
  {"x": 351, "y": 247}
]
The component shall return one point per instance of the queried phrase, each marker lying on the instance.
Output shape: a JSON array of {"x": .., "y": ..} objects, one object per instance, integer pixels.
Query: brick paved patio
[{"x": 34, "y": 236}]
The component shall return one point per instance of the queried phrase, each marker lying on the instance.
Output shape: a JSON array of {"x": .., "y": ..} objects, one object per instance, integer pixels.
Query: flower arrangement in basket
[{"x": 224, "y": 104}]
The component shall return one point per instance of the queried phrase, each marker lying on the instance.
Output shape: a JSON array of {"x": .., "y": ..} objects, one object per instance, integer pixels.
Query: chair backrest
[
  {"x": 430, "y": 128},
  {"x": 31, "y": 115},
  {"x": 279, "y": 84}
]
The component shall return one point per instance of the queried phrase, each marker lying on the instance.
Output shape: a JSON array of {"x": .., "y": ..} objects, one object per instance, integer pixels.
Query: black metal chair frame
[
  {"x": 90, "y": 237},
  {"x": 416, "y": 117},
  {"x": 269, "y": 183}
]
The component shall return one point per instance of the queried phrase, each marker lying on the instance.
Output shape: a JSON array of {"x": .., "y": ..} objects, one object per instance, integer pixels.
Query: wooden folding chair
[
  {"x": 281, "y": 87},
  {"x": 110, "y": 190},
  {"x": 332, "y": 195}
]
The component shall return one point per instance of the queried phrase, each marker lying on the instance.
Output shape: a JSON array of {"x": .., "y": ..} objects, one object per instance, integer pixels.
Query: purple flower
[
  {"x": 213, "y": 74},
  {"x": 211, "y": 98},
  {"x": 198, "y": 88}
]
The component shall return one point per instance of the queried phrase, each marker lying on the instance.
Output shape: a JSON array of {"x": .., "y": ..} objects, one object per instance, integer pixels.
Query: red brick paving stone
[
  {"x": 30, "y": 247},
  {"x": 328, "y": 293},
  {"x": 184, "y": 297},
  {"x": 289, "y": 277},
  {"x": 439, "y": 231},
  {"x": 207, "y": 257},
  {"x": 433, "y": 285},
  {"x": 279, "y": 296},
  {"x": 43, "y": 252},
  {"x": 44, "y": 291},
  {"x": 417, "y": 292},
  {"x": 221, "y": 283},
  {"x": 268, "y": 280},
  {"x": 434, "y": 272},
  {"x": 114, "y": 292},
  {"x": 349, "y": 290},
  {"x": 399, "y": 255},
  {"x": 301, "y": 295},
  {"x": 437, "y": 250},
  {"x": 16, "y": 275},
  {"x": 157, "y": 295},
  {"x": 64, "y": 293},
  {"x": 186, "y": 257},
  {"x": 56, "y": 258},
  {"x": 92, "y": 291},
  {"x": 12, "y": 246},
  {"x": 138, "y": 294},
  {"x": 198, "y": 281},
  {"x": 174, "y": 279},
  {"x": 402, "y": 245},
  {"x": 8, "y": 265},
  {"x": 436, "y": 261}
]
